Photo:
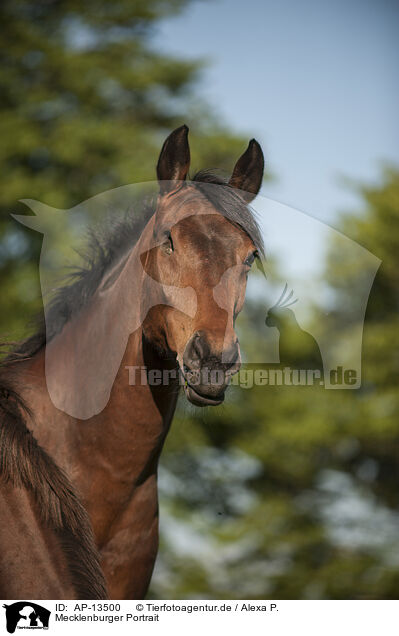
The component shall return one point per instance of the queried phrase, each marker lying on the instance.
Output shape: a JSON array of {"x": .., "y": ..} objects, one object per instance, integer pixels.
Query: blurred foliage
[
  {"x": 86, "y": 102},
  {"x": 283, "y": 492},
  {"x": 292, "y": 492}
]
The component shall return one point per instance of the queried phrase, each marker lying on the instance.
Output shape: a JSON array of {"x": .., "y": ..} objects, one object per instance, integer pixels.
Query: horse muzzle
[{"x": 206, "y": 373}]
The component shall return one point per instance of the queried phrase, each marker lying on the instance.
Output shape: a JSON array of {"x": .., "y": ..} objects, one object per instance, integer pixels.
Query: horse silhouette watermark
[
  {"x": 126, "y": 276},
  {"x": 95, "y": 365}
]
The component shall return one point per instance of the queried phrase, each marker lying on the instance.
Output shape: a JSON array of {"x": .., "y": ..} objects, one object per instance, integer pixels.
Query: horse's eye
[
  {"x": 250, "y": 259},
  {"x": 167, "y": 246}
]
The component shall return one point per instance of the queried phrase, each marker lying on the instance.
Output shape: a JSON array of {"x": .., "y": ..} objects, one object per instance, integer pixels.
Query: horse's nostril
[
  {"x": 198, "y": 348},
  {"x": 231, "y": 357}
]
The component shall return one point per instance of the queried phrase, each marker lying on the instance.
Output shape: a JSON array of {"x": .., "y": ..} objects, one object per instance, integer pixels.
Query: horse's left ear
[
  {"x": 174, "y": 160},
  {"x": 248, "y": 171}
]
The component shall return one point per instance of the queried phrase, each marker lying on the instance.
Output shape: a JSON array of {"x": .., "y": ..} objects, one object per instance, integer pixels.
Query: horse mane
[
  {"x": 106, "y": 245},
  {"x": 25, "y": 464}
]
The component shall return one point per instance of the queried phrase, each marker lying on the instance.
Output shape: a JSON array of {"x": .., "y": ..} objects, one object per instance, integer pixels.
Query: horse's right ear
[{"x": 174, "y": 160}]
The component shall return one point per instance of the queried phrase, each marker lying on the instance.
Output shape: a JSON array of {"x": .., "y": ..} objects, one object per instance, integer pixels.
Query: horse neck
[
  {"x": 138, "y": 414},
  {"x": 143, "y": 401},
  {"x": 112, "y": 456},
  {"x": 132, "y": 420}
]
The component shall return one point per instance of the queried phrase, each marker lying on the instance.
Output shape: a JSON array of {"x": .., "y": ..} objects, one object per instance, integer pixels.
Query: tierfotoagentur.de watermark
[{"x": 244, "y": 378}]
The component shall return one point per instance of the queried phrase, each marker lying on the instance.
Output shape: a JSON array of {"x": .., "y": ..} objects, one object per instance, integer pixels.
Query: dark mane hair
[
  {"x": 25, "y": 464},
  {"x": 107, "y": 244},
  {"x": 229, "y": 202}
]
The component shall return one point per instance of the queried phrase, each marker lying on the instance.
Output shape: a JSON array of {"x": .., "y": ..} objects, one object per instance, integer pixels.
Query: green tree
[{"x": 86, "y": 101}]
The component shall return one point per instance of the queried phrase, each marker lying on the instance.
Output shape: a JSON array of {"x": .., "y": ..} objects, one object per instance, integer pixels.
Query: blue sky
[{"x": 314, "y": 81}]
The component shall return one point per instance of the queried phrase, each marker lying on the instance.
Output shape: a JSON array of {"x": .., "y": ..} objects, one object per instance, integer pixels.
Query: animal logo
[
  {"x": 297, "y": 347},
  {"x": 26, "y": 615}
]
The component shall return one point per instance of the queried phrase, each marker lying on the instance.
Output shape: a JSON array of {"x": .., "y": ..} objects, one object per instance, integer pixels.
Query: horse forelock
[{"x": 229, "y": 202}]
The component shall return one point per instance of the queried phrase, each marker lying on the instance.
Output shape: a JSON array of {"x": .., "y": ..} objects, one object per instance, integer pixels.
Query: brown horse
[{"x": 201, "y": 237}]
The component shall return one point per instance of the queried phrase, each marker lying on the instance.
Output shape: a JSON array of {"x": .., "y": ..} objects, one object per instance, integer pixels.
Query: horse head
[{"x": 204, "y": 238}]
